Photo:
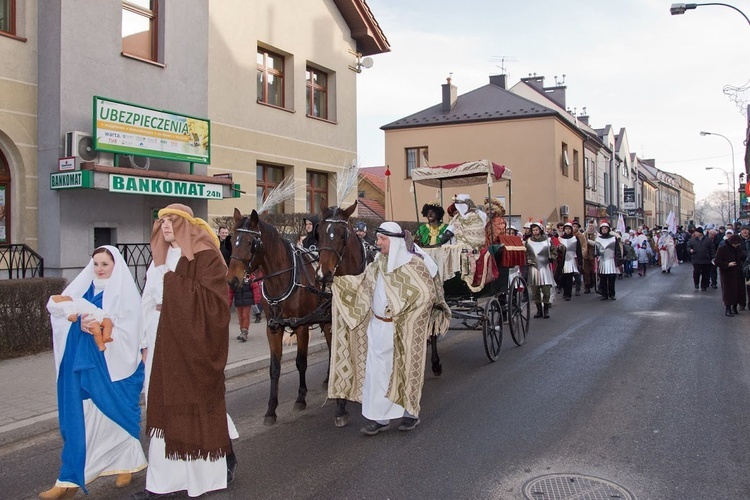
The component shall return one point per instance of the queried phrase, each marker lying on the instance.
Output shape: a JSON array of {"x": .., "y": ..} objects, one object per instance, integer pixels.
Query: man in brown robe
[{"x": 187, "y": 340}]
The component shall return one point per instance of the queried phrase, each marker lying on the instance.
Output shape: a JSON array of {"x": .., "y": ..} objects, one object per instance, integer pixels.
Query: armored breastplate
[{"x": 541, "y": 251}]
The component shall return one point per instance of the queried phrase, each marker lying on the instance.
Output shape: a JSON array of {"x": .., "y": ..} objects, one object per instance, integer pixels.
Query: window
[
  {"x": 625, "y": 168},
  {"x": 317, "y": 192},
  {"x": 268, "y": 177},
  {"x": 8, "y": 17},
  {"x": 4, "y": 200},
  {"x": 415, "y": 158},
  {"x": 317, "y": 93},
  {"x": 140, "y": 21},
  {"x": 606, "y": 188},
  {"x": 575, "y": 165},
  {"x": 565, "y": 160},
  {"x": 270, "y": 78}
]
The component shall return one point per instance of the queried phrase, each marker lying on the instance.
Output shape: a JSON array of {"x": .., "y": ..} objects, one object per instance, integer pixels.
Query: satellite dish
[
  {"x": 86, "y": 148},
  {"x": 367, "y": 62}
]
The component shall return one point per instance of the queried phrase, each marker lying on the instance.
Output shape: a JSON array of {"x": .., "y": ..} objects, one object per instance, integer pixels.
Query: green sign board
[
  {"x": 71, "y": 180},
  {"x": 165, "y": 187},
  {"x": 124, "y": 128}
]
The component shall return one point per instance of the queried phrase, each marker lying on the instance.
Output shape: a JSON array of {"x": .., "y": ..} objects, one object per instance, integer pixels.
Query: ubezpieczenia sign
[
  {"x": 124, "y": 128},
  {"x": 164, "y": 187}
]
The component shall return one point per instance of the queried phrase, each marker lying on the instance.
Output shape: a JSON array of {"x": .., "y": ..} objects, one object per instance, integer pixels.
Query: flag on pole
[
  {"x": 620, "y": 225},
  {"x": 672, "y": 222}
]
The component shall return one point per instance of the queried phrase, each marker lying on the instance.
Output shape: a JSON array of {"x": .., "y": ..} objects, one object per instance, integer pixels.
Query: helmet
[{"x": 360, "y": 226}]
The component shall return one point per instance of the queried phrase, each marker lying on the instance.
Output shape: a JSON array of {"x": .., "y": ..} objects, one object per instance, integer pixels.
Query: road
[{"x": 649, "y": 392}]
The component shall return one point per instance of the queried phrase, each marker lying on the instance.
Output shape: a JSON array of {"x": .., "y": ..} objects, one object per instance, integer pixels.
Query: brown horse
[
  {"x": 291, "y": 296},
  {"x": 343, "y": 253}
]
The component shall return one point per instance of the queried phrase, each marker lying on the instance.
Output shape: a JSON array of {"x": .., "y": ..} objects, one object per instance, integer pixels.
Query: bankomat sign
[{"x": 164, "y": 187}]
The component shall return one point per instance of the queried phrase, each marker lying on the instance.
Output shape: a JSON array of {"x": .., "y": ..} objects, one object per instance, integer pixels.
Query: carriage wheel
[
  {"x": 493, "y": 329},
  {"x": 519, "y": 310}
]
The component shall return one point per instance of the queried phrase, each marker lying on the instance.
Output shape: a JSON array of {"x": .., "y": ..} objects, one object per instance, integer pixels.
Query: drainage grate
[{"x": 574, "y": 486}]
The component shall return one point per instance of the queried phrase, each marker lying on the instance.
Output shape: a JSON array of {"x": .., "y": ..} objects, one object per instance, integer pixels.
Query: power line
[{"x": 660, "y": 162}]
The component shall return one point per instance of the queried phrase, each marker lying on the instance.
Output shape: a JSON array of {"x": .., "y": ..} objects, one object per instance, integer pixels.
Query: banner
[{"x": 128, "y": 129}]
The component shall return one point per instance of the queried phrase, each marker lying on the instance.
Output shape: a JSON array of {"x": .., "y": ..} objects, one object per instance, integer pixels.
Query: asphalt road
[{"x": 649, "y": 392}]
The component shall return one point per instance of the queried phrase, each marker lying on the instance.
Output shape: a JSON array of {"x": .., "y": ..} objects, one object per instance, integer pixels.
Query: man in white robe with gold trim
[{"x": 381, "y": 322}]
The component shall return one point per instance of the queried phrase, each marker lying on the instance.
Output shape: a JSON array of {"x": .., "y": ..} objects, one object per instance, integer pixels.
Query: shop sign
[
  {"x": 71, "y": 180},
  {"x": 124, "y": 128},
  {"x": 628, "y": 198},
  {"x": 165, "y": 187}
]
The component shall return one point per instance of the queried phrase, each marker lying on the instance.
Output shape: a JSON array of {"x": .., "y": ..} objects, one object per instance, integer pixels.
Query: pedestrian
[
  {"x": 311, "y": 229},
  {"x": 701, "y": 250},
  {"x": 540, "y": 253},
  {"x": 680, "y": 240},
  {"x": 589, "y": 257},
  {"x": 187, "y": 337},
  {"x": 609, "y": 255},
  {"x": 385, "y": 316},
  {"x": 716, "y": 236},
  {"x": 247, "y": 299},
  {"x": 360, "y": 229},
  {"x": 578, "y": 276},
  {"x": 97, "y": 391},
  {"x": 630, "y": 257},
  {"x": 573, "y": 257},
  {"x": 729, "y": 259},
  {"x": 643, "y": 253},
  {"x": 225, "y": 244},
  {"x": 667, "y": 254}
]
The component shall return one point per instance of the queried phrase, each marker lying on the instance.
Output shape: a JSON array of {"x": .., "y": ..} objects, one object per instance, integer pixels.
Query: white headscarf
[
  {"x": 463, "y": 207},
  {"x": 398, "y": 254},
  {"x": 122, "y": 304}
]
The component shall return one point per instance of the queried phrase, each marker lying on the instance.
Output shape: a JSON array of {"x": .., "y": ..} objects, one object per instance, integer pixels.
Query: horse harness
[{"x": 340, "y": 255}]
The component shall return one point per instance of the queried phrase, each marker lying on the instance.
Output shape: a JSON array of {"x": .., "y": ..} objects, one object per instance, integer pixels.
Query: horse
[
  {"x": 291, "y": 296},
  {"x": 343, "y": 253}
]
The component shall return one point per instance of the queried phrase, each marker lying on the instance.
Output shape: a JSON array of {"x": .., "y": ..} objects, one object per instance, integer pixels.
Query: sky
[{"x": 629, "y": 63}]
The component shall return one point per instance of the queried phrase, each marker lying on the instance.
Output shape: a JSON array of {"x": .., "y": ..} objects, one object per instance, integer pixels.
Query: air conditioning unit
[
  {"x": 81, "y": 146},
  {"x": 564, "y": 210}
]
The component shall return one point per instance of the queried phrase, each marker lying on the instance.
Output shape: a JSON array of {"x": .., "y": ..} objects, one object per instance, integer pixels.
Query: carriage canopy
[{"x": 461, "y": 174}]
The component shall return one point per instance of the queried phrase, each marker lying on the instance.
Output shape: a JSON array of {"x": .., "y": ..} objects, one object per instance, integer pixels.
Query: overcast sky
[{"x": 629, "y": 62}]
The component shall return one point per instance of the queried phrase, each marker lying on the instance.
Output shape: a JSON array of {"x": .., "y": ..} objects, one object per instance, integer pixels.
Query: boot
[
  {"x": 546, "y": 311},
  {"x": 242, "y": 337},
  {"x": 257, "y": 317},
  {"x": 539, "y": 313},
  {"x": 58, "y": 493},
  {"x": 734, "y": 309},
  {"x": 728, "y": 312}
]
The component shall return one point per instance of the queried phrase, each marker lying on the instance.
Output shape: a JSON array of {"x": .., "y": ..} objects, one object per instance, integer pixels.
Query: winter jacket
[
  {"x": 703, "y": 250},
  {"x": 249, "y": 294},
  {"x": 311, "y": 240},
  {"x": 226, "y": 249}
]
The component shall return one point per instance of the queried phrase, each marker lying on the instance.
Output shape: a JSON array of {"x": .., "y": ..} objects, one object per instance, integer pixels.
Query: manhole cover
[{"x": 574, "y": 486}]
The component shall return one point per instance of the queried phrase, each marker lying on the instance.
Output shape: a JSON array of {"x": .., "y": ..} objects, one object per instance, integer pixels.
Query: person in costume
[
  {"x": 508, "y": 248},
  {"x": 578, "y": 276},
  {"x": 382, "y": 319},
  {"x": 186, "y": 332},
  {"x": 467, "y": 226},
  {"x": 609, "y": 255},
  {"x": 667, "y": 252},
  {"x": 360, "y": 229},
  {"x": 98, "y": 391},
  {"x": 432, "y": 233},
  {"x": 311, "y": 228},
  {"x": 729, "y": 260},
  {"x": 572, "y": 258},
  {"x": 540, "y": 253}
]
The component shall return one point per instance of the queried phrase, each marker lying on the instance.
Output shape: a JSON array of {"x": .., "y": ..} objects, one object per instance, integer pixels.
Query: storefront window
[{"x": 4, "y": 200}]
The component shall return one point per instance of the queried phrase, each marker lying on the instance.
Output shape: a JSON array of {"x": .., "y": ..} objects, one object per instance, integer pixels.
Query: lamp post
[
  {"x": 734, "y": 174},
  {"x": 679, "y": 8},
  {"x": 727, "y": 184}
]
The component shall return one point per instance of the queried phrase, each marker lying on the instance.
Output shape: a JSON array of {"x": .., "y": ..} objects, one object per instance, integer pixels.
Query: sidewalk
[{"x": 29, "y": 396}]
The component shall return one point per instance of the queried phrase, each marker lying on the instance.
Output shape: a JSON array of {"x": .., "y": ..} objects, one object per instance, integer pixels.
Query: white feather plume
[
  {"x": 346, "y": 181},
  {"x": 281, "y": 193}
]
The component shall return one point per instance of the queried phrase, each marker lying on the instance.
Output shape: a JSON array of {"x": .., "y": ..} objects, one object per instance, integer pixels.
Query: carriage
[{"x": 487, "y": 306}]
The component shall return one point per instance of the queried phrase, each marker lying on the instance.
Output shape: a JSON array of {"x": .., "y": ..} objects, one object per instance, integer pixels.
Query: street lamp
[
  {"x": 727, "y": 184},
  {"x": 679, "y": 8},
  {"x": 734, "y": 174}
]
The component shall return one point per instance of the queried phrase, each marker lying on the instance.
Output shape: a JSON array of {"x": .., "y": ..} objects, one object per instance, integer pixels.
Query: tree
[{"x": 718, "y": 205}]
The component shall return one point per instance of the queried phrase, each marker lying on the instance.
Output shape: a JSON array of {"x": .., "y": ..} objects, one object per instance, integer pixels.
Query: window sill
[
  {"x": 326, "y": 120},
  {"x": 275, "y": 107},
  {"x": 141, "y": 59},
  {"x": 12, "y": 36}
]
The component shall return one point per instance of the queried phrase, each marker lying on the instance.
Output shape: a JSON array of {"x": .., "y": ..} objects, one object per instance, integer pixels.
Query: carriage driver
[{"x": 396, "y": 301}]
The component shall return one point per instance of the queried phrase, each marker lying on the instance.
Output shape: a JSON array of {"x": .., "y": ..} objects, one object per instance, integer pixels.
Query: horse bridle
[{"x": 340, "y": 255}]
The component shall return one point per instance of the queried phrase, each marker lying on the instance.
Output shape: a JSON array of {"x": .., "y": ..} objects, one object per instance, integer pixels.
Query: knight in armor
[
  {"x": 467, "y": 226},
  {"x": 572, "y": 258},
  {"x": 540, "y": 253},
  {"x": 609, "y": 255},
  {"x": 589, "y": 257},
  {"x": 433, "y": 233},
  {"x": 578, "y": 276}
]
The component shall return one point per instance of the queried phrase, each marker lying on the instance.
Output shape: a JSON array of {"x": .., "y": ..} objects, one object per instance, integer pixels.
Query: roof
[
  {"x": 487, "y": 103},
  {"x": 376, "y": 181},
  {"x": 370, "y": 209},
  {"x": 365, "y": 29}
]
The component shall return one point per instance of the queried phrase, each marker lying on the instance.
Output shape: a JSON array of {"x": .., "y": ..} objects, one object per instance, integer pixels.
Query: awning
[{"x": 461, "y": 174}]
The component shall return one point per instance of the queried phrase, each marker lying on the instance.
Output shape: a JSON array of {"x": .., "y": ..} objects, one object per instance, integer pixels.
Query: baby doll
[{"x": 97, "y": 321}]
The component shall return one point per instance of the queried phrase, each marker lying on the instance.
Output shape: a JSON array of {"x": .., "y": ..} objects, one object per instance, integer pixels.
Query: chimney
[
  {"x": 556, "y": 95},
  {"x": 533, "y": 81},
  {"x": 651, "y": 162},
  {"x": 498, "y": 80},
  {"x": 584, "y": 119},
  {"x": 450, "y": 94}
]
